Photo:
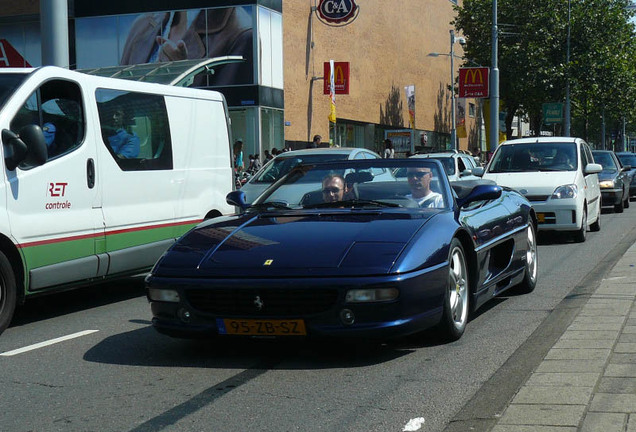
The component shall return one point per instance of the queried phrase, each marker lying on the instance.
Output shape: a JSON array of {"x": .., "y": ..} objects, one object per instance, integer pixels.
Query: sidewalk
[{"x": 587, "y": 381}]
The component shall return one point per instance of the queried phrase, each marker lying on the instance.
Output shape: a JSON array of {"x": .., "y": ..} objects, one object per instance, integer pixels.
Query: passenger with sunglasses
[{"x": 420, "y": 183}]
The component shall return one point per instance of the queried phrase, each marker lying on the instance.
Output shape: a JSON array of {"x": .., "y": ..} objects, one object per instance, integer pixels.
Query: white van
[{"x": 101, "y": 175}]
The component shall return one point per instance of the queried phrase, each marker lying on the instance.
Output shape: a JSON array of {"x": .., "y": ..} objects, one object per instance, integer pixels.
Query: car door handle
[{"x": 90, "y": 173}]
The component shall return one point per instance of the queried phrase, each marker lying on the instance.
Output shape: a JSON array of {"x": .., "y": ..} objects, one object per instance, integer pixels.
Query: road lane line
[{"x": 47, "y": 343}]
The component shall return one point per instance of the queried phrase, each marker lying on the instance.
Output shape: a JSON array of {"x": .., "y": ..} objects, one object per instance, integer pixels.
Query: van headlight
[
  {"x": 371, "y": 295},
  {"x": 565, "y": 191},
  {"x": 607, "y": 184},
  {"x": 163, "y": 295}
]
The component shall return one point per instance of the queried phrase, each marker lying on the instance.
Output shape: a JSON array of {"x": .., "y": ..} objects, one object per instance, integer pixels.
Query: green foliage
[{"x": 533, "y": 63}]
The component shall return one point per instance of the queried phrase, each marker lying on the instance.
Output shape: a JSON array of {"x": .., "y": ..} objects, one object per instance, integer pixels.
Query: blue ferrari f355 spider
[{"x": 358, "y": 249}]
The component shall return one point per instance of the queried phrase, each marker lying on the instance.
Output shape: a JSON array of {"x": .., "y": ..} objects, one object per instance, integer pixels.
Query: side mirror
[
  {"x": 481, "y": 193},
  {"x": 592, "y": 168},
  {"x": 465, "y": 173},
  {"x": 237, "y": 198},
  {"x": 28, "y": 146},
  {"x": 479, "y": 171},
  {"x": 627, "y": 167}
]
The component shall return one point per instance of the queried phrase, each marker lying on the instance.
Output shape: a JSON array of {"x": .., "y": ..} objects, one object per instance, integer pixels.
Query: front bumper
[
  {"x": 418, "y": 306},
  {"x": 611, "y": 197},
  {"x": 558, "y": 214}
]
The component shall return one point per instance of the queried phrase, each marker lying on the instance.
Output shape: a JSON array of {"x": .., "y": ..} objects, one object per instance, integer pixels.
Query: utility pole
[
  {"x": 494, "y": 83},
  {"x": 567, "y": 82}
]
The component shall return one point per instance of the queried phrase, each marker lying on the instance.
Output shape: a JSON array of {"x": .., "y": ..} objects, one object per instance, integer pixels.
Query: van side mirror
[{"x": 28, "y": 146}]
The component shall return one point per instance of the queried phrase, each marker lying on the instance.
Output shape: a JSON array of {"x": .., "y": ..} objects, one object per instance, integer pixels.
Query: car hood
[
  {"x": 335, "y": 243},
  {"x": 533, "y": 183},
  {"x": 607, "y": 175}
]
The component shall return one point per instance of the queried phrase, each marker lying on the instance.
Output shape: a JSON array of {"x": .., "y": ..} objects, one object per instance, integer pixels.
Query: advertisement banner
[
  {"x": 473, "y": 82},
  {"x": 332, "y": 93},
  {"x": 460, "y": 119},
  {"x": 502, "y": 122},
  {"x": 410, "y": 102},
  {"x": 341, "y": 77}
]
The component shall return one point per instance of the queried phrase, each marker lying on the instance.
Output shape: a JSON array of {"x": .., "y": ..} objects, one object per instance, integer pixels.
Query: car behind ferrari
[{"x": 346, "y": 249}]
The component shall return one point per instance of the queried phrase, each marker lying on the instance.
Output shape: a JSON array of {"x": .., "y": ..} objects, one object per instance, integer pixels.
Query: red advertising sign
[
  {"x": 341, "y": 77},
  {"x": 473, "y": 82},
  {"x": 10, "y": 57}
]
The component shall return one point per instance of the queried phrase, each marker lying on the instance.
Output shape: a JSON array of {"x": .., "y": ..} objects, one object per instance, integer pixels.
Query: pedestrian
[
  {"x": 268, "y": 156},
  {"x": 238, "y": 156},
  {"x": 389, "y": 152},
  {"x": 315, "y": 143}
]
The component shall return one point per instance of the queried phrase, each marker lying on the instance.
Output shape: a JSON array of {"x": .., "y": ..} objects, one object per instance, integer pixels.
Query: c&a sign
[
  {"x": 340, "y": 76},
  {"x": 337, "y": 11},
  {"x": 473, "y": 82}
]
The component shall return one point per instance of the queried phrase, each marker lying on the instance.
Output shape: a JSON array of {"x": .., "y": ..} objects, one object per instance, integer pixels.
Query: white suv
[{"x": 557, "y": 175}]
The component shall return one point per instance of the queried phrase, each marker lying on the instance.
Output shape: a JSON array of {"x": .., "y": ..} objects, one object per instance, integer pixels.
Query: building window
[{"x": 471, "y": 110}]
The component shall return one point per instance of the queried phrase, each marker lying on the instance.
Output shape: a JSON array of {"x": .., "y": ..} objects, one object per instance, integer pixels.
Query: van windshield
[
  {"x": 8, "y": 83},
  {"x": 524, "y": 157}
]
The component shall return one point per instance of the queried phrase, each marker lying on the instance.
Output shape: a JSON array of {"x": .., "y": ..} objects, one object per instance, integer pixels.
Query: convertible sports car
[{"x": 335, "y": 249}]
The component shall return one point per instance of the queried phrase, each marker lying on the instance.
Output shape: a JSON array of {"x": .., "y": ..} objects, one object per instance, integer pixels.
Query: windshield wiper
[{"x": 353, "y": 203}]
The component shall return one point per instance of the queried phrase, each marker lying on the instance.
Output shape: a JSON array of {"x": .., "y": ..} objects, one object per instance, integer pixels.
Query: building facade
[{"x": 276, "y": 96}]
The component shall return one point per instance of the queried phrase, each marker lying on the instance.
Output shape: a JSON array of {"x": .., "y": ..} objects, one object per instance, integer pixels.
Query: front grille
[
  {"x": 279, "y": 302},
  {"x": 537, "y": 198}
]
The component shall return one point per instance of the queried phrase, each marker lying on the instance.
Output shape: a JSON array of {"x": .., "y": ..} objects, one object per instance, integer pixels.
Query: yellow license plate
[
  {"x": 541, "y": 217},
  {"x": 256, "y": 327}
]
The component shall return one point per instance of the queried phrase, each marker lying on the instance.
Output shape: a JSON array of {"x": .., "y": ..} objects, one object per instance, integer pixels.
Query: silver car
[{"x": 284, "y": 162}]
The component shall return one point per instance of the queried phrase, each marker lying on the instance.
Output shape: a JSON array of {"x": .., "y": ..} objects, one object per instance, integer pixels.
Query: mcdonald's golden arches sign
[
  {"x": 473, "y": 82},
  {"x": 340, "y": 76}
]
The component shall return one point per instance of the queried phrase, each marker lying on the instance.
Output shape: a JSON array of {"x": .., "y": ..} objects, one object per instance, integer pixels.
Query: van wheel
[
  {"x": 579, "y": 236},
  {"x": 7, "y": 292}
]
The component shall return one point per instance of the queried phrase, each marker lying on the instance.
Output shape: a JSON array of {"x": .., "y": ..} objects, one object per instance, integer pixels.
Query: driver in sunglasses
[
  {"x": 333, "y": 188},
  {"x": 420, "y": 183}
]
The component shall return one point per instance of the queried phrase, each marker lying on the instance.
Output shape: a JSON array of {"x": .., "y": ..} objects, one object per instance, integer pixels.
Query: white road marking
[
  {"x": 414, "y": 424},
  {"x": 47, "y": 343}
]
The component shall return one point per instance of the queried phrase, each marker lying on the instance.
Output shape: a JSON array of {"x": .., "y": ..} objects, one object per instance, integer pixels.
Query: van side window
[
  {"x": 135, "y": 129},
  {"x": 57, "y": 108}
]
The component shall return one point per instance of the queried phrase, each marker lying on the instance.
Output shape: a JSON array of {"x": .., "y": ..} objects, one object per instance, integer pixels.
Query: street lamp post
[
  {"x": 494, "y": 83},
  {"x": 452, "y": 70}
]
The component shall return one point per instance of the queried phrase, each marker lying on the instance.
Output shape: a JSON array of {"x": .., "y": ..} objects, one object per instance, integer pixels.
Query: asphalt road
[{"x": 115, "y": 373}]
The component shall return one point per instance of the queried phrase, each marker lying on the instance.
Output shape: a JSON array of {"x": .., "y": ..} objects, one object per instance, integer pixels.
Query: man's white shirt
[{"x": 432, "y": 200}]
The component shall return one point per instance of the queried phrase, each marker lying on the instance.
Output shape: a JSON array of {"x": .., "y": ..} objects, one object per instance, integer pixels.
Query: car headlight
[
  {"x": 565, "y": 191},
  {"x": 164, "y": 295},
  {"x": 371, "y": 295},
  {"x": 605, "y": 184}
]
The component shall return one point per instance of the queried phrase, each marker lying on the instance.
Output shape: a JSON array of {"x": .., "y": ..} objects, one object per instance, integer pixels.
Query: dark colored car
[
  {"x": 626, "y": 159},
  {"x": 613, "y": 180},
  {"x": 356, "y": 256}
]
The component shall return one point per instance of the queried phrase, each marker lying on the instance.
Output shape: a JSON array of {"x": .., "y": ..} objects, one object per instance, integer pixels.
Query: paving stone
[
  {"x": 627, "y": 358},
  {"x": 546, "y": 415},
  {"x": 580, "y": 379},
  {"x": 584, "y": 343},
  {"x": 521, "y": 428},
  {"x": 571, "y": 366},
  {"x": 630, "y": 329},
  {"x": 578, "y": 354},
  {"x": 547, "y": 395},
  {"x": 624, "y": 348},
  {"x": 627, "y": 338},
  {"x": 611, "y": 402},
  {"x": 617, "y": 385},
  {"x": 604, "y": 422},
  {"x": 581, "y": 319},
  {"x": 597, "y": 327},
  {"x": 620, "y": 370},
  {"x": 631, "y": 424},
  {"x": 589, "y": 334}
]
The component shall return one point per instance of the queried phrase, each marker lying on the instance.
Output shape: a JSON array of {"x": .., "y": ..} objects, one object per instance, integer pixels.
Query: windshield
[
  {"x": 534, "y": 157},
  {"x": 281, "y": 165},
  {"x": 8, "y": 83},
  {"x": 605, "y": 160},
  {"x": 355, "y": 184},
  {"x": 628, "y": 159}
]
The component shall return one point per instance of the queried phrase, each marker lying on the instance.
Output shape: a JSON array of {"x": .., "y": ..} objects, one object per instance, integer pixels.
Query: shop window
[
  {"x": 57, "y": 108},
  {"x": 135, "y": 129}
]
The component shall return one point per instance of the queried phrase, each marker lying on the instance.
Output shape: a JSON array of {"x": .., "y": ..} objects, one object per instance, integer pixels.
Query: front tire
[
  {"x": 456, "y": 298},
  {"x": 8, "y": 292},
  {"x": 618, "y": 208},
  {"x": 529, "y": 281},
  {"x": 596, "y": 226},
  {"x": 579, "y": 236}
]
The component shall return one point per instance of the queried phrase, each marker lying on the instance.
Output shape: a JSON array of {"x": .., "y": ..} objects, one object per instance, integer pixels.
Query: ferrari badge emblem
[{"x": 268, "y": 262}]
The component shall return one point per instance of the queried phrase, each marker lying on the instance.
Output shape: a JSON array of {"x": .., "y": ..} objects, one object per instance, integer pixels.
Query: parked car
[
  {"x": 628, "y": 158},
  {"x": 557, "y": 175},
  {"x": 458, "y": 166},
  {"x": 373, "y": 264},
  {"x": 614, "y": 180},
  {"x": 284, "y": 162}
]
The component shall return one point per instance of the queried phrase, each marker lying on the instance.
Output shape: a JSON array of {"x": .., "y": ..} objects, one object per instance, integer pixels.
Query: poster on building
[
  {"x": 410, "y": 102},
  {"x": 154, "y": 37},
  {"x": 460, "y": 119},
  {"x": 401, "y": 139}
]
